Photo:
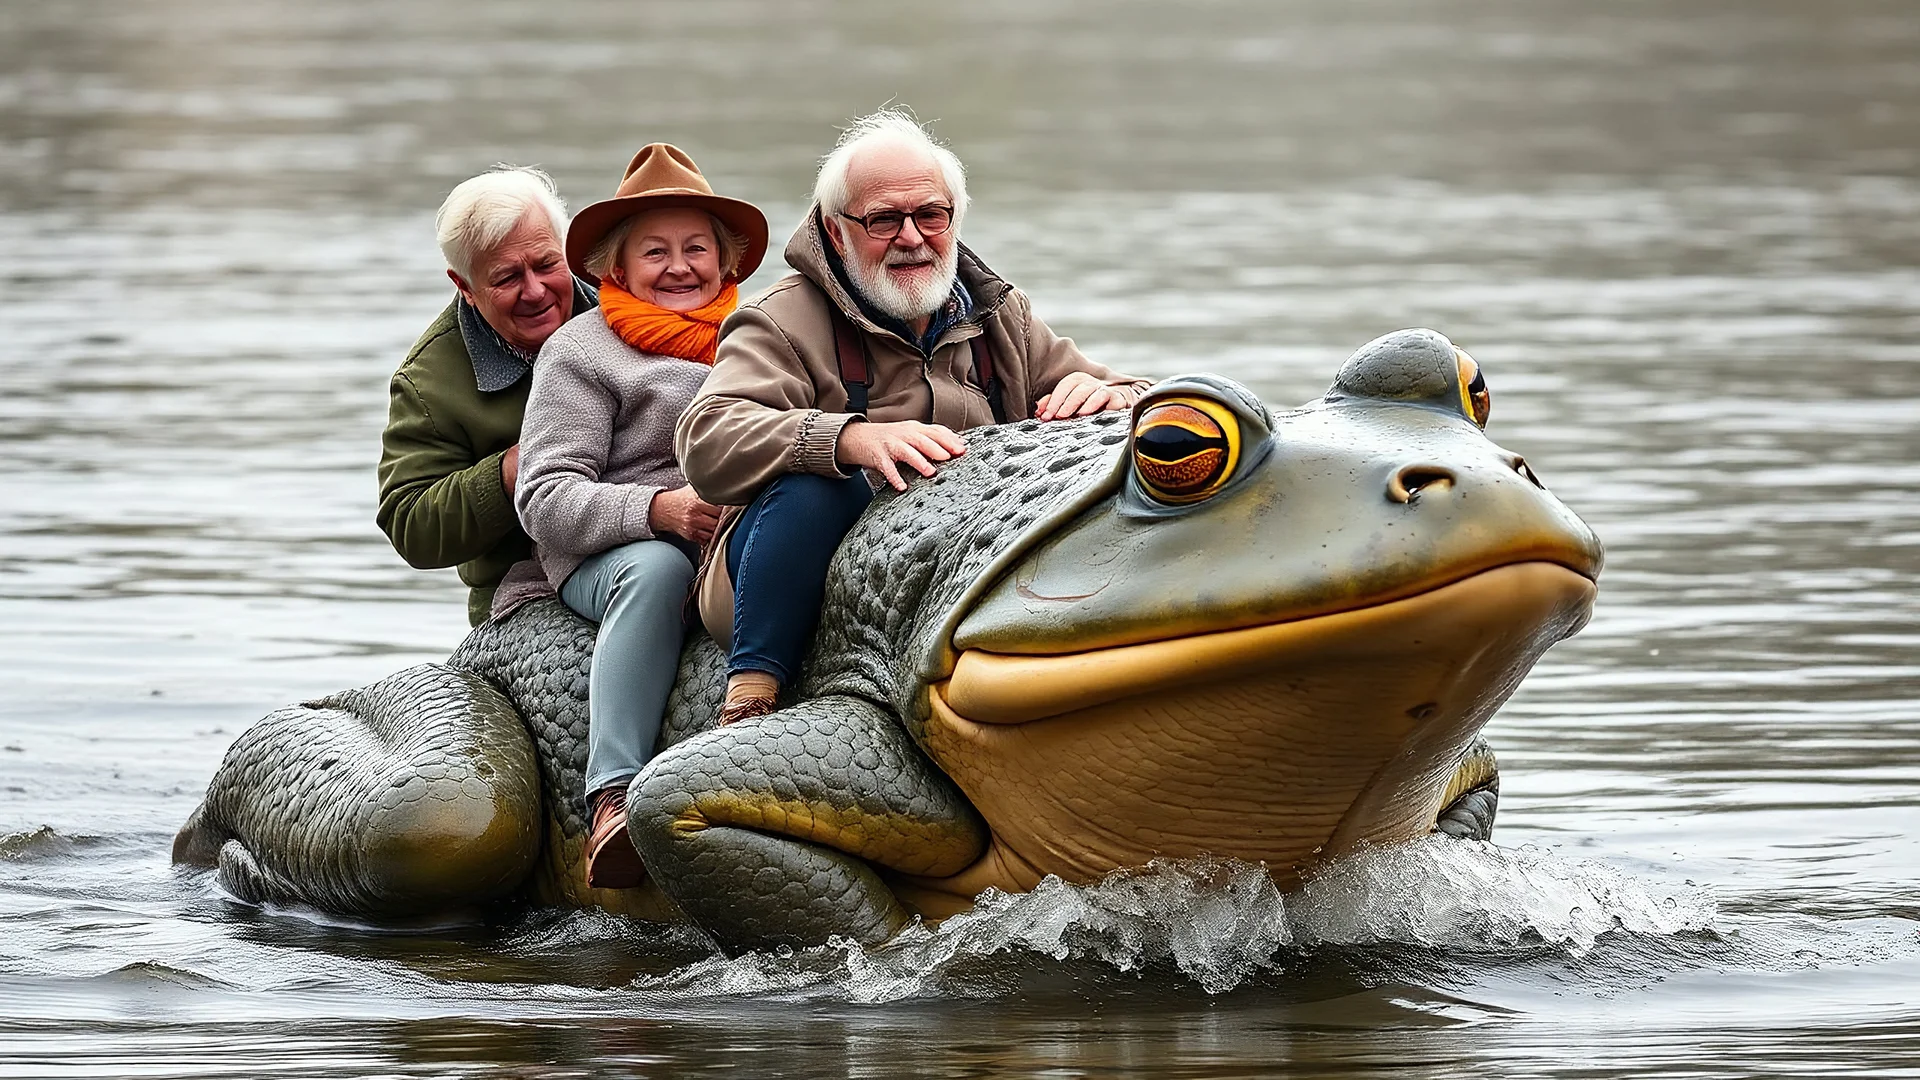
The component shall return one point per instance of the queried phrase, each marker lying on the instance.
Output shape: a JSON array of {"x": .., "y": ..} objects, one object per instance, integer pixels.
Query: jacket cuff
[
  {"x": 814, "y": 444},
  {"x": 636, "y": 517},
  {"x": 486, "y": 492}
]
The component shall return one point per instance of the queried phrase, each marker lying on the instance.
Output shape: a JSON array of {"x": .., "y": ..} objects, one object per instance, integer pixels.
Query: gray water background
[{"x": 1683, "y": 240}]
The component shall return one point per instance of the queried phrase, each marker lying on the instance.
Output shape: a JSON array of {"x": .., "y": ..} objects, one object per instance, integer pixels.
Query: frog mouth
[
  {"x": 1008, "y": 688},
  {"x": 1280, "y": 743}
]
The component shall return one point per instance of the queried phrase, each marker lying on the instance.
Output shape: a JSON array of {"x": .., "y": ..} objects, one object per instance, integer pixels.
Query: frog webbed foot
[
  {"x": 1472, "y": 797},
  {"x": 769, "y": 832},
  {"x": 244, "y": 878}
]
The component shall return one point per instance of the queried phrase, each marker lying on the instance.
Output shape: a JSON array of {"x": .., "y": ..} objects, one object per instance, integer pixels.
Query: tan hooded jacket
[{"x": 775, "y": 403}]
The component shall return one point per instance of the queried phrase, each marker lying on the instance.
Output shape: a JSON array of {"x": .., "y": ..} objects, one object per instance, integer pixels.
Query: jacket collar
[
  {"x": 810, "y": 253},
  {"x": 496, "y": 364}
]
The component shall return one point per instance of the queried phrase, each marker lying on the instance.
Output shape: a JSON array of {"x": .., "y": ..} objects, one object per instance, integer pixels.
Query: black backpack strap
[
  {"x": 989, "y": 381},
  {"x": 855, "y": 370},
  {"x": 856, "y": 366}
]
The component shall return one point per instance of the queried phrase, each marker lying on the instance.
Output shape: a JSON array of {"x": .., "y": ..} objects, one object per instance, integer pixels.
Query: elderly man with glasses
[{"x": 891, "y": 339}]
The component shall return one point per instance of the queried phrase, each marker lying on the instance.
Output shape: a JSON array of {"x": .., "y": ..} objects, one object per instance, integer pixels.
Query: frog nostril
[
  {"x": 1411, "y": 480},
  {"x": 1520, "y": 466}
]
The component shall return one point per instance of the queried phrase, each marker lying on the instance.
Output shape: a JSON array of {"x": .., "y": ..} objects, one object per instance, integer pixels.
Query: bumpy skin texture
[
  {"x": 770, "y": 830},
  {"x": 838, "y": 814},
  {"x": 539, "y": 657},
  {"x": 904, "y": 567}
]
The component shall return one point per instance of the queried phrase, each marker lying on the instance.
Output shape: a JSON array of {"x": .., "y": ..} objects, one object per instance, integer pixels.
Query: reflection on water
[{"x": 1679, "y": 237}]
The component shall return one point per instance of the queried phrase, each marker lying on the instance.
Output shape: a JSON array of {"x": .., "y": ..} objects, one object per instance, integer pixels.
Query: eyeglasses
[{"x": 931, "y": 219}]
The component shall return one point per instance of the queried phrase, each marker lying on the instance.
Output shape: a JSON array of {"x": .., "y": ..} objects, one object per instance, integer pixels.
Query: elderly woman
[{"x": 617, "y": 530}]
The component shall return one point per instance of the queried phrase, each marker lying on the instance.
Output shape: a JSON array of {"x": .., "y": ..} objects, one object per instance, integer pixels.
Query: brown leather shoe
[
  {"x": 747, "y": 709},
  {"x": 611, "y": 861}
]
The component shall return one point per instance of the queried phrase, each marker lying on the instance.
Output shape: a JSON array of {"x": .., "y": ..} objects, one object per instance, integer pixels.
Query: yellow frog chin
[{"x": 1285, "y": 743}]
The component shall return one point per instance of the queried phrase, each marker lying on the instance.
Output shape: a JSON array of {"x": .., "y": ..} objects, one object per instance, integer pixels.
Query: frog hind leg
[
  {"x": 773, "y": 831},
  {"x": 412, "y": 796}
]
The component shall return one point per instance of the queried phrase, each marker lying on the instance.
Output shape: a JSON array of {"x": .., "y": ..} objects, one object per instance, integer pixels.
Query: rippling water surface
[{"x": 1680, "y": 238}]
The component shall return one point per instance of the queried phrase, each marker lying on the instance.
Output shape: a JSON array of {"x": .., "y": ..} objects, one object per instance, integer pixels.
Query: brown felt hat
[{"x": 661, "y": 175}]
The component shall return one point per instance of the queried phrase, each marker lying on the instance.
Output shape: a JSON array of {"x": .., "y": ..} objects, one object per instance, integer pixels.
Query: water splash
[
  {"x": 1467, "y": 894},
  {"x": 1220, "y": 923},
  {"x": 1216, "y": 921}
]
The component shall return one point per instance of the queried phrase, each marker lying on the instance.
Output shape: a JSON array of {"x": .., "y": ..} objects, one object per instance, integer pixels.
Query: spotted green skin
[{"x": 783, "y": 830}]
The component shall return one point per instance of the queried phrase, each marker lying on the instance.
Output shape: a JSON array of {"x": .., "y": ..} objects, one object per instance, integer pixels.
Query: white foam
[
  {"x": 1220, "y": 922},
  {"x": 1466, "y": 894},
  {"x": 1214, "y": 920}
]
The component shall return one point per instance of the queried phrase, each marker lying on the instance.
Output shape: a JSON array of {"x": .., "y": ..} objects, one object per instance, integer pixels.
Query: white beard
[{"x": 905, "y": 303}]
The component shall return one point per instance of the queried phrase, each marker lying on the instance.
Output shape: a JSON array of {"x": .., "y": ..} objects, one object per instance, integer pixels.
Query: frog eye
[
  {"x": 1185, "y": 448},
  {"x": 1475, "y": 398}
]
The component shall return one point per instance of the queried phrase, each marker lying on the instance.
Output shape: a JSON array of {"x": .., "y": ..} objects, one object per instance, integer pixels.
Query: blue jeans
[
  {"x": 635, "y": 593},
  {"x": 777, "y": 558}
]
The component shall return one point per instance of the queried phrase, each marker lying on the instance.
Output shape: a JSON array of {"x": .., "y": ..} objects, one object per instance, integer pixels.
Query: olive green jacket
[{"x": 443, "y": 501}]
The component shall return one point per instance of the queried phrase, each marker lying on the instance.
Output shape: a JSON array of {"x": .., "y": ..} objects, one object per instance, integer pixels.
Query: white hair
[
  {"x": 480, "y": 212},
  {"x": 895, "y": 125}
]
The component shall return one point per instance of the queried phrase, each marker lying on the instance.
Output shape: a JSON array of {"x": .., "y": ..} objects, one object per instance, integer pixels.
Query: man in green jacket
[{"x": 450, "y": 455}]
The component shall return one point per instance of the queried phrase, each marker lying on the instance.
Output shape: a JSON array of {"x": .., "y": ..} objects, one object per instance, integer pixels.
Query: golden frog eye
[
  {"x": 1184, "y": 449},
  {"x": 1474, "y": 396}
]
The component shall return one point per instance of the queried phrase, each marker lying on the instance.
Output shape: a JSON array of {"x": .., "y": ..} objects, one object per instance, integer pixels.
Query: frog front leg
[{"x": 769, "y": 832}]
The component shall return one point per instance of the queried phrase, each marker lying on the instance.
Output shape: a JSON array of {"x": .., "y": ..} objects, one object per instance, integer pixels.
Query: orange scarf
[{"x": 689, "y": 335}]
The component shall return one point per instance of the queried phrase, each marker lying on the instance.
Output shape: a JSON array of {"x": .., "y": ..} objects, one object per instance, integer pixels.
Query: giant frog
[{"x": 1204, "y": 627}]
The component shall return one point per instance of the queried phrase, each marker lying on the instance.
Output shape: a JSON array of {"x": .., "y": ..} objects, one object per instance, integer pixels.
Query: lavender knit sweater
[{"x": 597, "y": 442}]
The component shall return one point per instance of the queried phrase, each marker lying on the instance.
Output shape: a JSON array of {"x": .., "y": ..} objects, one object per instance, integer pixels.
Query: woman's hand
[
  {"x": 884, "y": 447},
  {"x": 683, "y": 513},
  {"x": 1080, "y": 394}
]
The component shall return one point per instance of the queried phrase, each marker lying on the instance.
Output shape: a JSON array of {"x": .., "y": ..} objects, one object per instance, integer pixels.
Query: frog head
[{"x": 1266, "y": 636}]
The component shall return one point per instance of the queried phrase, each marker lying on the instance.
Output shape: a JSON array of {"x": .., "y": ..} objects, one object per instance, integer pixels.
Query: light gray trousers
[{"x": 635, "y": 593}]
